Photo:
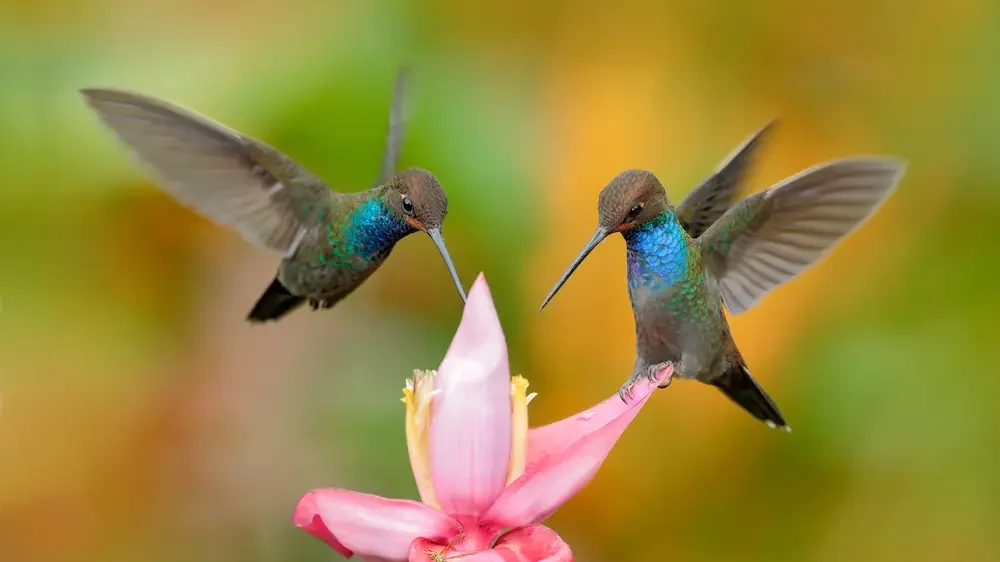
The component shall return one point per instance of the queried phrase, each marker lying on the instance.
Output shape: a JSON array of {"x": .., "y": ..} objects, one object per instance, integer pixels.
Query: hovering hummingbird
[
  {"x": 330, "y": 241},
  {"x": 684, "y": 263}
]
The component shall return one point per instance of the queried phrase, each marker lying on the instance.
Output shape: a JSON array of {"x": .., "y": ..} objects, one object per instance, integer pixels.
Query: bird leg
[
  {"x": 316, "y": 303},
  {"x": 651, "y": 373}
]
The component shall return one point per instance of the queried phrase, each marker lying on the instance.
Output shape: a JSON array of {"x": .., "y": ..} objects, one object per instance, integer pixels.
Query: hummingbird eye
[
  {"x": 407, "y": 204},
  {"x": 634, "y": 211}
]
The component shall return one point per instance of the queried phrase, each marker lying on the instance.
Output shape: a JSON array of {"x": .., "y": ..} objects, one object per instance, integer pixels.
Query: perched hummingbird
[
  {"x": 331, "y": 241},
  {"x": 684, "y": 263}
]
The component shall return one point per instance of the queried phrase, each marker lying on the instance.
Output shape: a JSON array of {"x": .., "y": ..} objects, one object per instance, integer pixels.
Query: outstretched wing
[
  {"x": 770, "y": 237},
  {"x": 397, "y": 127},
  {"x": 713, "y": 197},
  {"x": 230, "y": 178}
]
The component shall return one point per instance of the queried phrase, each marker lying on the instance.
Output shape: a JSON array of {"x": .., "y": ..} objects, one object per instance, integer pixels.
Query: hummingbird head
[
  {"x": 630, "y": 199},
  {"x": 417, "y": 198}
]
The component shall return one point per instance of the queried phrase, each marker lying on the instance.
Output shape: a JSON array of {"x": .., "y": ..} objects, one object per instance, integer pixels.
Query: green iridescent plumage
[
  {"x": 369, "y": 231},
  {"x": 685, "y": 264},
  {"x": 331, "y": 241}
]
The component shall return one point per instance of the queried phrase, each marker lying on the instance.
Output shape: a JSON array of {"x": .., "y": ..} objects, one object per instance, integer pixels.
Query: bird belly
[
  {"x": 670, "y": 327},
  {"x": 326, "y": 273}
]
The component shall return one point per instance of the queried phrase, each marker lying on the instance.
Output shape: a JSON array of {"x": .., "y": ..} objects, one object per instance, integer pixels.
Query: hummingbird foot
[
  {"x": 626, "y": 390},
  {"x": 317, "y": 304},
  {"x": 653, "y": 371}
]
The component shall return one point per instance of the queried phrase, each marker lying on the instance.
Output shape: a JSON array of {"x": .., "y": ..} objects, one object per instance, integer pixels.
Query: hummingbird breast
[
  {"x": 368, "y": 232},
  {"x": 676, "y": 315},
  {"x": 659, "y": 253}
]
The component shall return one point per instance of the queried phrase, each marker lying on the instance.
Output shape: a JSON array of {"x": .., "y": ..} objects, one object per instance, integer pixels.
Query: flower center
[
  {"x": 417, "y": 396},
  {"x": 519, "y": 400}
]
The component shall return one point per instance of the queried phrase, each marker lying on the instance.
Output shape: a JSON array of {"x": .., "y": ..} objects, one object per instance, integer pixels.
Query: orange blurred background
[{"x": 144, "y": 419}]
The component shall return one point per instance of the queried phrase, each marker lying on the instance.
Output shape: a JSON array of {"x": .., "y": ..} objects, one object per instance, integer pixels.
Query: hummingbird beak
[
  {"x": 435, "y": 234},
  {"x": 596, "y": 239}
]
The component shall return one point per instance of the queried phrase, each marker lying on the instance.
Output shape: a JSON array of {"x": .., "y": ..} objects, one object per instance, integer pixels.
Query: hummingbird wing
[
  {"x": 770, "y": 237},
  {"x": 230, "y": 178},
  {"x": 713, "y": 197},
  {"x": 397, "y": 128}
]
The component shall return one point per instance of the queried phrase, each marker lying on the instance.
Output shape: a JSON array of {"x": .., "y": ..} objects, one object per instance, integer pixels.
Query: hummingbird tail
[
  {"x": 740, "y": 387},
  {"x": 276, "y": 302}
]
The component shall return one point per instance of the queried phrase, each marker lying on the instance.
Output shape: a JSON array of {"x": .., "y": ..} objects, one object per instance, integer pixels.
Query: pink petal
[
  {"x": 554, "y": 438},
  {"x": 371, "y": 526},
  {"x": 484, "y": 556},
  {"x": 471, "y": 417},
  {"x": 534, "y": 543},
  {"x": 558, "y": 476},
  {"x": 423, "y": 550}
]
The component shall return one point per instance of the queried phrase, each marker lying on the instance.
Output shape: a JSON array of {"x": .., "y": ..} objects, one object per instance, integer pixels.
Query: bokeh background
[{"x": 143, "y": 418}]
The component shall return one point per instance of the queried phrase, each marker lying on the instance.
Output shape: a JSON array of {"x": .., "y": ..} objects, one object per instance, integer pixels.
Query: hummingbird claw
[
  {"x": 625, "y": 390},
  {"x": 653, "y": 371},
  {"x": 317, "y": 304}
]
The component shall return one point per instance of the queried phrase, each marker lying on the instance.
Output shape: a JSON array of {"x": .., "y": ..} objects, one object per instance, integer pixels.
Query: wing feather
[
  {"x": 770, "y": 237},
  {"x": 716, "y": 194},
  {"x": 230, "y": 178},
  {"x": 397, "y": 127}
]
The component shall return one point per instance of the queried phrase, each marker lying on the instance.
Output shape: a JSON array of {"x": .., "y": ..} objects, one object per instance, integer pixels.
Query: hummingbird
[
  {"x": 688, "y": 263},
  {"x": 330, "y": 242}
]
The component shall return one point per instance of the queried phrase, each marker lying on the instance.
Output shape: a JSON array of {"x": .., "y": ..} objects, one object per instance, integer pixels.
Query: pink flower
[{"x": 478, "y": 468}]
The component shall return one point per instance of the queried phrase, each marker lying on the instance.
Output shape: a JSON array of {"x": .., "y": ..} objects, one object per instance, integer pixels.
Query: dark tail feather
[
  {"x": 274, "y": 303},
  {"x": 740, "y": 387}
]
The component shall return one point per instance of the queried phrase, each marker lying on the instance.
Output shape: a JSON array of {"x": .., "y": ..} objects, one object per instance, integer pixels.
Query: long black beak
[
  {"x": 435, "y": 234},
  {"x": 599, "y": 235}
]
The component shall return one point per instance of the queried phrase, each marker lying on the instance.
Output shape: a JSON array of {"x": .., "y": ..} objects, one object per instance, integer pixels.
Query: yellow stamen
[
  {"x": 519, "y": 427},
  {"x": 417, "y": 396}
]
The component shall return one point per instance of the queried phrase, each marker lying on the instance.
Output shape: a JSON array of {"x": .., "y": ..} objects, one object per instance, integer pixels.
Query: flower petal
[
  {"x": 423, "y": 550},
  {"x": 470, "y": 429},
  {"x": 534, "y": 543},
  {"x": 371, "y": 526},
  {"x": 554, "y": 438},
  {"x": 557, "y": 477}
]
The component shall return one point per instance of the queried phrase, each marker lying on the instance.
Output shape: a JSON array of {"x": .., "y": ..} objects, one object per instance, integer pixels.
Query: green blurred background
[{"x": 143, "y": 419}]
